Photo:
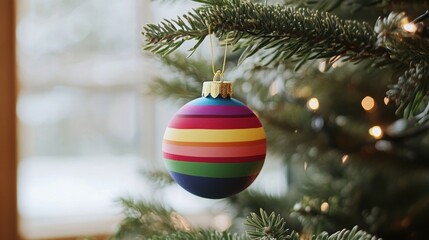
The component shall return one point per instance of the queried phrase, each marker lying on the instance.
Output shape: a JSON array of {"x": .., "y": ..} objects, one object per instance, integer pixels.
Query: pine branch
[
  {"x": 152, "y": 221},
  {"x": 284, "y": 32},
  {"x": 160, "y": 177},
  {"x": 185, "y": 83},
  {"x": 196, "y": 70},
  {"x": 274, "y": 227},
  {"x": 410, "y": 93},
  {"x": 409, "y": 131},
  {"x": 269, "y": 227},
  {"x": 199, "y": 235},
  {"x": 353, "y": 5},
  {"x": 143, "y": 220},
  {"x": 330, "y": 5},
  {"x": 148, "y": 221},
  {"x": 346, "y": 234},
  {"x": 277, "y": 33},
  {"x": 403, "y": 46}
]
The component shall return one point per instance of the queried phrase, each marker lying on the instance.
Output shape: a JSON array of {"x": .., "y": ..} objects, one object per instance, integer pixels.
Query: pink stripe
[
  {"x": 214, "y": 123},
  {"x": 235, "y": 151},
  {"x": 215, "y": 110},
  {"x": 214, "y": 159}
]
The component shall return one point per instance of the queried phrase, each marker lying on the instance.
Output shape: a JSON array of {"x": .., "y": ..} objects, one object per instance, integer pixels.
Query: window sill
[{"x": 70, "y": 197}]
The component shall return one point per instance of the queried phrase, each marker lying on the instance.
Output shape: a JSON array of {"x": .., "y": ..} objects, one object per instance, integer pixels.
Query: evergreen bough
[
  {"x": 154, "y": 222},
  {"x": 278, "y": 33}
]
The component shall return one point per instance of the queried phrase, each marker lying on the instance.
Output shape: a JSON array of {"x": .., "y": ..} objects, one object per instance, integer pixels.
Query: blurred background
[
  {"x": 86, "y": 123},
  {"x": 92, "y": 108}
]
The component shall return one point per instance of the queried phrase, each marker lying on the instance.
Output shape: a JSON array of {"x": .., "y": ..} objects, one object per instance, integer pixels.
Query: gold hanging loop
[
  {"x": 217, "y": 87},
  {"x": 218, "y": 76},
  {"x": 219, "y": 73}
]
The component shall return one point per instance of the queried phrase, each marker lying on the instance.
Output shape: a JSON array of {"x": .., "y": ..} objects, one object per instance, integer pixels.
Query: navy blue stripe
[{"x": 213, "y": 188}]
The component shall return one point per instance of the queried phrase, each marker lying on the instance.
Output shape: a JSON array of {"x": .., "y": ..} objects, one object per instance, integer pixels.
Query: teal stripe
[
  {"x": 208, "y": 101},
  {"x": 219, "y": 170}
]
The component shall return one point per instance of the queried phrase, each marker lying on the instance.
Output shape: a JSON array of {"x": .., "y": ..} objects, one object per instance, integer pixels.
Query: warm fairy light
[
  {"x": 324, "y": 207},
  {"x": 345, "y": 158},
  {"x": 368, "y": 103},
  {"x": 313, "y": 103},
  {"x": 410, "y": 27},
  {"x": 386, "y": 100},
  {"x": 322, "y": 66},
  {"x": 376, "y": 132}
]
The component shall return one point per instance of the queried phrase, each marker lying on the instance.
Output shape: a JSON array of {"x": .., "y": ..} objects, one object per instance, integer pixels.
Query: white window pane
[
  {"x": 82, "y": 114},
  {"x": 65, "y": 121}
]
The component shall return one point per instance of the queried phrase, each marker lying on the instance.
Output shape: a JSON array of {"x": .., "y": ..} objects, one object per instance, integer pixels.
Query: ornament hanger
[{"x": 218, "y": 75}]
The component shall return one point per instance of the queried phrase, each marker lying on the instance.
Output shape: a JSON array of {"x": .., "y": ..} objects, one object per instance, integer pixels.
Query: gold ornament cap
[
  {"x": 214, "y": 89},
  {"x": 217, "y": 87}
]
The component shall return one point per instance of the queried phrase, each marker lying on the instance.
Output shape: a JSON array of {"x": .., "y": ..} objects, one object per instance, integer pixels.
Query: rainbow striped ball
[{"x": 214, "y": 147}]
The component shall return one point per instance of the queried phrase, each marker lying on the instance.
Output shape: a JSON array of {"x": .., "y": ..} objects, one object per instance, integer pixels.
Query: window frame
[{"x": 8, "y": 136}]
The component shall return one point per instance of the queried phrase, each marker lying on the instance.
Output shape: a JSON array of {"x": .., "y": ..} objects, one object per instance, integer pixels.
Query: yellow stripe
[{"x": 214, "y": 135}]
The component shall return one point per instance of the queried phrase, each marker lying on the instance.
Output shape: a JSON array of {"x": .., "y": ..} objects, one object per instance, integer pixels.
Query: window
[{"x": 84, "y": 118}]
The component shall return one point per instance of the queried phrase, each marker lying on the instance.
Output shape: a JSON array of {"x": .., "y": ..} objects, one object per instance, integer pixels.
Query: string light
[
  {"x": 324, "y": 207},
  {"x": 376, "y": 132},
  {"x": 368, "y": 103},
  {"x": 417, "y": 26},
  {"x": 322, "y": 66},
  {"x": 410, "y": 27},
  {"x": 345, "y": 158},
  {"x": 313, "y": 104},
  {"x": 386, "y": 100}
]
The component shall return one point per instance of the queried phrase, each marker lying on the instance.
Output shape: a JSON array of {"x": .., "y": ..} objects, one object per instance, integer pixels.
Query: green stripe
[{"x": 219, "y": 170}]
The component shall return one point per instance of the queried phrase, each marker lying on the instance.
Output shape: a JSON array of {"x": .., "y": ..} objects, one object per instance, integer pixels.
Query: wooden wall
[{"x": 8, "y": 143}]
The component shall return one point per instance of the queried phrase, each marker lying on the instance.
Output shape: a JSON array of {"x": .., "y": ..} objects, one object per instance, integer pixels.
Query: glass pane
[
  {"x": 82, "y": 114},
  {"x": 65, "y": 121}
]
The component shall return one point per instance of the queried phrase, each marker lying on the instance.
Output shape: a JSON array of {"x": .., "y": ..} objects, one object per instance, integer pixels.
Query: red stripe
[
  {"x": 215, "y": 144},
  {"x": 214, "y": 123},
  {"x": 214, "y": 159}
]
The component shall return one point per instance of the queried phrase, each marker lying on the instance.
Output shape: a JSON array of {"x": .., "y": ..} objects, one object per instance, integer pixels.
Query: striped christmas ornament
[{"x": 214, "y": 147}]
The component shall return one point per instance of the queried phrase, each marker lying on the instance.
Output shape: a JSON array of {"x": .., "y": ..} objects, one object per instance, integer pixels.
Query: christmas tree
[{"x": 341, "y": 87}]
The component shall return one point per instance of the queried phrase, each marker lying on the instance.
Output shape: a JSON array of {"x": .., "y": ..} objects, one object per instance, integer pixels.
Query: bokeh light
[
  {"x": 313, "y": 104},
  {"x": 376, "y": 132},
  {"x": 368, "y": 103}
]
